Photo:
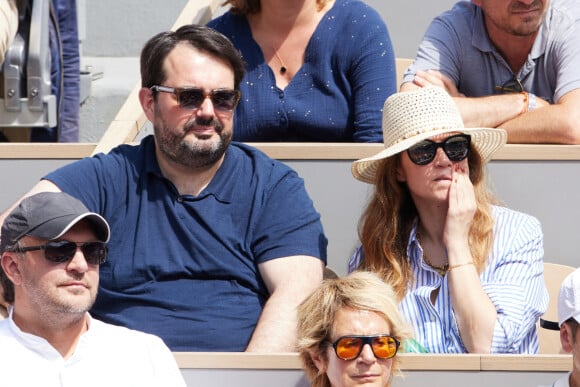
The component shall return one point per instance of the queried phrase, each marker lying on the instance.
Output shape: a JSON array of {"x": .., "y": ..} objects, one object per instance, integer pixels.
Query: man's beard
[
  {"x": 55, "y": 308},
  {"x": 198, "y": 154},
  {"x": 532, "y": 25}
]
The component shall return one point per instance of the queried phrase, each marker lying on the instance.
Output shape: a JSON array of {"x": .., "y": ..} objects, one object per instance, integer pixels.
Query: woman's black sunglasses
[
  {"x": 63, "y": 251},
  {"x": 192, "y": 97},
  {"x": 456, "y": 148}
]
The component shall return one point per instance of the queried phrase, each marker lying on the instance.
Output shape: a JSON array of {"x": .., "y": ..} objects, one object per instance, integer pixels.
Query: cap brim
[{"x": 65, "y": 223}]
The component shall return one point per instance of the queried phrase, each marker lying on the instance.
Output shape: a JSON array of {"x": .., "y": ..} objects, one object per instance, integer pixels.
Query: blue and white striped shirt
[{"x": 513, "y": 279}]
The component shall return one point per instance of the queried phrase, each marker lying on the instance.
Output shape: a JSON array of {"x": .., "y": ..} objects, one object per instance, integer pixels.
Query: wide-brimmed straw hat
[{"x": 412, "y": 116}]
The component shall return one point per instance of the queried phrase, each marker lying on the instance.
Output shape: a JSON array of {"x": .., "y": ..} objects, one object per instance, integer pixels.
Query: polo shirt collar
[
  {"x": 151, "y": 165},
  {"x": 479, "y": 37},
  {"x": 222, "y": 186}
]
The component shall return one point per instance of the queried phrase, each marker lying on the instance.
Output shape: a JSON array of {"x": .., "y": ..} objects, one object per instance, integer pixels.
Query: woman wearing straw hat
[{"x": 468, "y": 273}]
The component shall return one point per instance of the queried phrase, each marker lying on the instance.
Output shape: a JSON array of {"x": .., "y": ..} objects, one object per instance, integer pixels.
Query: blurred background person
[
  {"x": 63, "y": 42},
  {"x": 8, "y": 25},
  {"x": 511, "y": 64},
  {"x": 317, "y": 70}
]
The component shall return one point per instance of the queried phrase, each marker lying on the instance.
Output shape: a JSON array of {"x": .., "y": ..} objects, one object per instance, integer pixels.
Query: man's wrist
[{"x": 526, "y": 102}]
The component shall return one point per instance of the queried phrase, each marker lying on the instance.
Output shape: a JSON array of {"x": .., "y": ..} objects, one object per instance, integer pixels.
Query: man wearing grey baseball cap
[{"x": 50, "y": 250}]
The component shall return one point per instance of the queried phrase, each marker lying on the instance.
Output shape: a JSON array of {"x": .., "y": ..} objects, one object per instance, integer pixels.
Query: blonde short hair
[{"x": 317, "y": 313}]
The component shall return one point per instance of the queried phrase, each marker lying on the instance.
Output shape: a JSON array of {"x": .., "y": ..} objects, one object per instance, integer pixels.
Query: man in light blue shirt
[{"x": 510, "y": 64}]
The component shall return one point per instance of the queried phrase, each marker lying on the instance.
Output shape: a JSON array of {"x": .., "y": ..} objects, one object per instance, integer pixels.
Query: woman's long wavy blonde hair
[
  {"x": 245, "y": 7},
  {"x": 386, "y": 223}
]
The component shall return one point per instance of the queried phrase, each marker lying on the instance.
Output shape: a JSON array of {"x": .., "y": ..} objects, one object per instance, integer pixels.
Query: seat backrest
[
  {"x": 554, "y": 275},
  {"x": 401, "y": 65}
]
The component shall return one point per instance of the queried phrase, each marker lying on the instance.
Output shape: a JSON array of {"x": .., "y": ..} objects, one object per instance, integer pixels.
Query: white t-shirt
[{"x": 106, "y": 355}]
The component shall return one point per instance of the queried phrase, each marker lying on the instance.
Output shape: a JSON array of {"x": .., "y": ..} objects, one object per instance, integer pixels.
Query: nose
[
  {"x": 441, "y": 158},
  {"x": 367, "y": 355},
  {"x": 206, "y": 109},
  {"x": 78, "y": 263}
]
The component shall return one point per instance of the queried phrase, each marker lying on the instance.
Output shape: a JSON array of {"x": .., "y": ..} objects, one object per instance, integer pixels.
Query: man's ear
[
  {"x": 566, "y": 338},
  {"x": 147, "y": 102},
  {"x": 10, "y": 266}
]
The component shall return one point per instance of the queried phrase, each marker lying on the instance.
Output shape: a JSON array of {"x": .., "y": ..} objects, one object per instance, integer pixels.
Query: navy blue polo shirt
[{"x": 185, "y": 267}]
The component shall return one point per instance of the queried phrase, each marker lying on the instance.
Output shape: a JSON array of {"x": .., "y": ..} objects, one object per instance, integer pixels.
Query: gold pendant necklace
[
  {"x": 442, "y": 270},
  {"x": 283, "y": 68}
]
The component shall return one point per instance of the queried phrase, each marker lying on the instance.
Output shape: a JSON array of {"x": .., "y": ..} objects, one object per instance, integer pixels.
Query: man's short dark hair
[{"x": 202, "y": 38}]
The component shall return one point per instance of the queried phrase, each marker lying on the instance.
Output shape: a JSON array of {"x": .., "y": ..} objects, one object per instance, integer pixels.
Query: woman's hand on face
[{"x": 462, "y": 206}]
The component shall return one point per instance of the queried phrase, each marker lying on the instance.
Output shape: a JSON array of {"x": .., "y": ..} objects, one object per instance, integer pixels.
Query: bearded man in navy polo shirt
[{"x": 214, "y": 243}]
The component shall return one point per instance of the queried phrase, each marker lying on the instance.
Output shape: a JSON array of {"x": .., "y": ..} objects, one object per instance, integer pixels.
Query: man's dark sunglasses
[
  {"x": 349, "y": 347},
  {"x": 513, "y": 85},
  {"x": 63, "y": 251},
  {"x": 455, "y": 147},
  {"x": 192, "y": 97}
]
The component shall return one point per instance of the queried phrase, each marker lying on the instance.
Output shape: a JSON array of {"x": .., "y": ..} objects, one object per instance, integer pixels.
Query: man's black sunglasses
[
  {"x": 63, "y": 251},
  {"x": 456, "y": 148},
  {"x": 192, "y": 97}
]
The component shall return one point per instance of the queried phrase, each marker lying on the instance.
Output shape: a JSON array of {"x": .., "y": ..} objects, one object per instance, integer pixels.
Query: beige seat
[
  {"x": 554, "y": 275},
  {"x": 401, "y": 65}
]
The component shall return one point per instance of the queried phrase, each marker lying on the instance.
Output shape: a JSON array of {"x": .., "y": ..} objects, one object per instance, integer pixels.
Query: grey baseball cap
[{"x": 49, "y": 215}]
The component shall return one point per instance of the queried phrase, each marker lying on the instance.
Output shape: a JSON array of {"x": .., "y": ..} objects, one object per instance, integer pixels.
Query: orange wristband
[{"x": 526, "y": 102}]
